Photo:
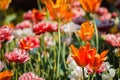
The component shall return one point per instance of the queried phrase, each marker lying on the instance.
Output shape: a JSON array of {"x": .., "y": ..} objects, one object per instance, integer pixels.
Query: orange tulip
[
  {"x": 80, "y": 55},
  {"x": 86, "y": 31},
  {"x": 95, "y": 60},
  {"x": 4, "y": 4},
  {"x": 90, "y": 5},
  {"x": 6, "y": 75},
  {"x": 58, "y": 9}
]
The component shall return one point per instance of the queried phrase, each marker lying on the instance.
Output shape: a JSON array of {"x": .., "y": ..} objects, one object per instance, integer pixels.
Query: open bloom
[
  {"x": 4, "y": 4},
  {"x": 58, "y": 9},
  {"x": 96, "y": 60},
  {"x": 86, "y": 31},
  {"x": 43, "y": 27},
  {"x": 6, "y": 75},
  {"x": 17, "y": 55},
  {"x": 5, "y": 33},
  {"x": 112, "y": 39},
  {"x": 29, "y": 76},
  {"x": 90, "y": 6},
  {"x": 28, "y": 43},
  {"x": 81, "y": 55},
  {"x": 34, "y": 15}
]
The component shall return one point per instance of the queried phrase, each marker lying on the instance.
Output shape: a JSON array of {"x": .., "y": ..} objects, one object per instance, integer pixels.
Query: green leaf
[{"x": 10, "y": 18}]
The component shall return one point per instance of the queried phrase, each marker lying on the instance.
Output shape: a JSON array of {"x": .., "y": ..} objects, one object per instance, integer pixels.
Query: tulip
[
  {"x": 86, "y": 31},
  {"x": 90, "y": 6},
  {"x": 6, "y": 75}
]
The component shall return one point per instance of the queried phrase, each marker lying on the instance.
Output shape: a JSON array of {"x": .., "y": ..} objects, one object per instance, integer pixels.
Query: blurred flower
[
  {"x": 96, "y": 60},
  {"x": 4, "y": 4},
  {"x": 49, "y": 40},
  {"x": 34, "y": 15},
  {"x": 28, "y": 43},
  {"x": 117, "y": 4},
  {"x": 67, "y": 40},
  {"x": 5, "y": 33},
  {"x": 104, "y": 14},
  {"x": 114, "y": 14},
  {"x": 24, "y": 24},
  {"x": 69, "y": 28},
  {"x": 79, "y": 20},
  {"x": 6, "y": 75},
  {"x": 23, "y": 29},
  {"x": 29, "y": 76},
  {"x": 117, "y": 52},
  {"x": 58, "y": 9},
  {"x": 90, "y": 6},
  {"x": 2, "y": 65},
  {"x": 112, "y": 39},
  {"x": 106, "y": 17},
  {"x": 80, "y": 55},
  {"x": 75, "y": 3},
  {"x": 102, "y": 68},
  {"x": 17, "y": 55},
  {"x": 77, "y": 12},
  {"x": 102, "y": 10},
  {"x": 86, "y": 31},
  {"x": 76, "y": 73},
  {"x": 110, "y": 75},
  {"x": 105, "y": 25},
  {"x": 43, "y": 27}
]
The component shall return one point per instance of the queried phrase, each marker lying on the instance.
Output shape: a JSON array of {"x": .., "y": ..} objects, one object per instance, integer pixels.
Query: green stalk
[
  {"x": 59, "y": 48},
  {"x": 39, "y": 5},
  {"x": 119, "y": 69},
  {"x": 83, "y": 73},
  {"x": 63, "y": 55},
  {"x": 16, "y": 71},
  {"x": 93, "y": 76},
  {"x": 31, "y": 66},
  {"x": 96, "y": 33}
]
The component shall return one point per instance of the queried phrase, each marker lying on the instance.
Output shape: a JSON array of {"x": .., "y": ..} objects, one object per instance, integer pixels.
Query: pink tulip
[
  {"x": 5, "y": 33},
  {"x": 29, "y": 76},
  {"x": 17, "y": 55}
]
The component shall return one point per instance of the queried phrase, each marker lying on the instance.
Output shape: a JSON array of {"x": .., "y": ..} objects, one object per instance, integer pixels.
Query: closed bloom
[
  {"x": 17, "y": 55},
  {"x": 4, "y": 4},
  {"x": 6, "y": 75},
  {"x": 5, "y": 33},
  {"x": 95, "y": 59},
  {"x": 86, "y": 31},
  {"x": 90, "y": 6},
  {"x": 28, "y": 43},
  {"x": 58, "y": 9},
  {"x": 29, "y": 76},
  {"x": 80, "y": 55}
]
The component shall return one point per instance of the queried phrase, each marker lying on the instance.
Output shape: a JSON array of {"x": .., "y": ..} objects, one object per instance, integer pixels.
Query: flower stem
[
  {"x": 119, "y": 70},
  {"x": 39, "y": 5},
  {"x": 96, "y": 33},
  {"x": 93, "y": 76},
  {"x": 83, "y": 73},
  {"x": 59, "y": 48}
]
